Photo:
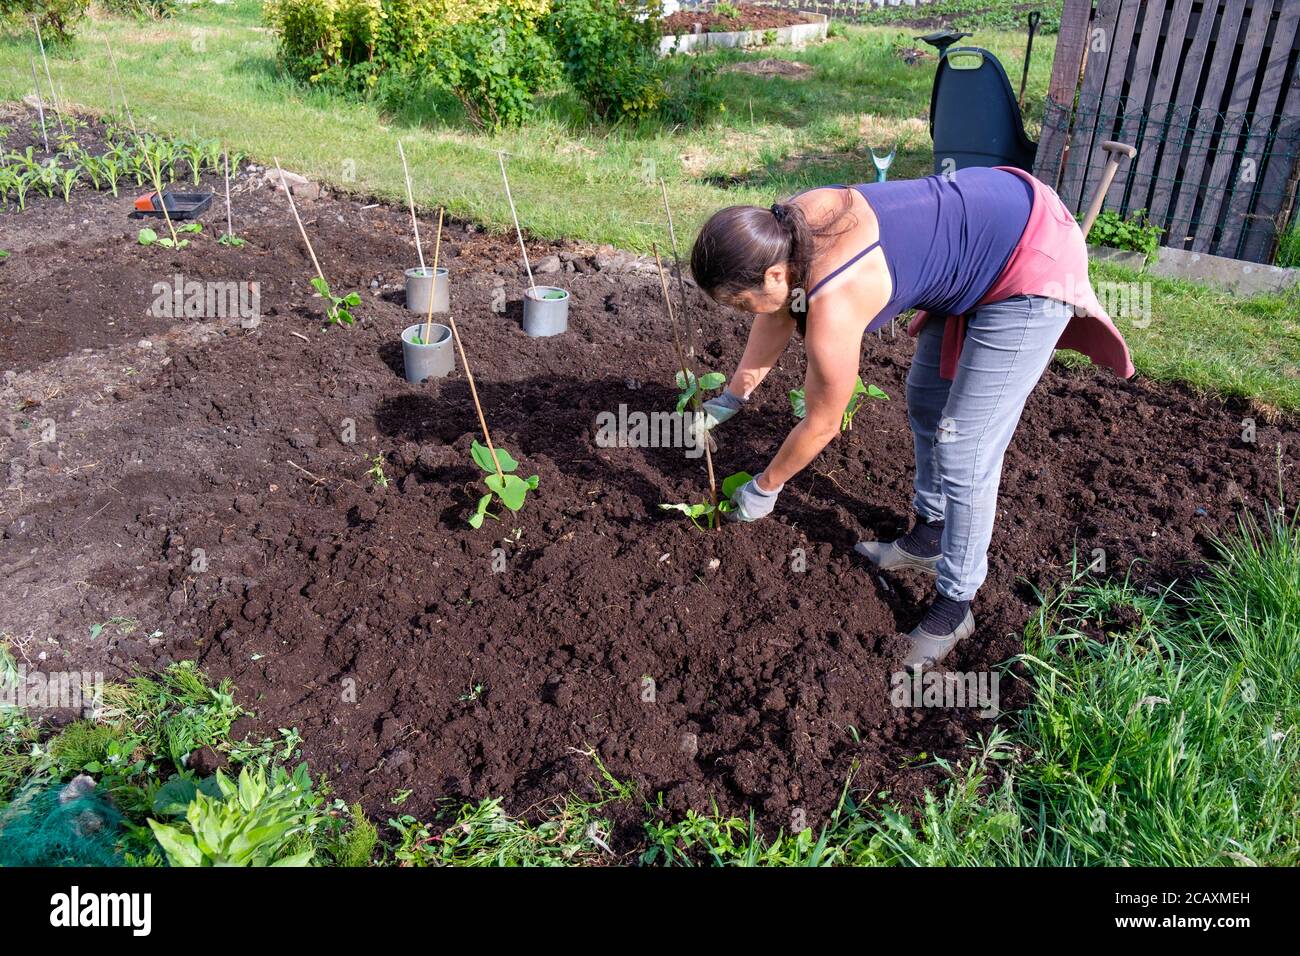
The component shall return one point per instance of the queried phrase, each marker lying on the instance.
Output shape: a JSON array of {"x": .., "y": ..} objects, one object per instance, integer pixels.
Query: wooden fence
[{"x": 1209, "y": 93}]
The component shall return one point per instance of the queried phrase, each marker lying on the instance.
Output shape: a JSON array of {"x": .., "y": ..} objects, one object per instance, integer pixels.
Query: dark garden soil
[
  {"x": 749, "y": 17},
  {"x": 199, "y": 495}
]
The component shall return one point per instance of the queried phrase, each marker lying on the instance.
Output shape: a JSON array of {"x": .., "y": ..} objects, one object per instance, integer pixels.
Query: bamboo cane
[
  {"x": 437, "y": 245},
  {"x": 687, "y": 374},
  {"x": 515, "y": 215}
]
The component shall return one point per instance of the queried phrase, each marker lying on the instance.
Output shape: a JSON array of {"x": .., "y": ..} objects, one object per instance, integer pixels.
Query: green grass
[
  {"x": 972, "y": 14},
  {"x": 1214, "y": 341},
  {"x": 212, "y": 72}
]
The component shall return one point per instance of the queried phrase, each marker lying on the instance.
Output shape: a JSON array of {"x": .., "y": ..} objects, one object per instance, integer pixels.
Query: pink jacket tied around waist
[{"x": 1050, "y": 260}]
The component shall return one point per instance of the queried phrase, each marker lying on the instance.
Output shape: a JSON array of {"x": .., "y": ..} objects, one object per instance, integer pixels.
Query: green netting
[
  {"x": 60, "y": 825},
  {"x": 1216, "y": 181}
]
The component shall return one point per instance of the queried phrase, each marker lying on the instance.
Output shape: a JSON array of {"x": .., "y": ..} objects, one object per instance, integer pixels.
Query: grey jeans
[{"x": 961, "y": 428}]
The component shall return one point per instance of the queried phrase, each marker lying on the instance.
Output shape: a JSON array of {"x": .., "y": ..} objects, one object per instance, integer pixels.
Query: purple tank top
[{"x": 946, "y": 239}]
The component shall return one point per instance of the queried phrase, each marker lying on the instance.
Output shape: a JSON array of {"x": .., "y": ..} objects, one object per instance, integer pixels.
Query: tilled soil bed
[
  {"x": 202, "y": 485},
  {"x": 749, "y": 17}
]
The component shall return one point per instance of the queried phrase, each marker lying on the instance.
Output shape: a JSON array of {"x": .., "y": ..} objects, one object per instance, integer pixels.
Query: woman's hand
[{"x": 751, "y": 501}]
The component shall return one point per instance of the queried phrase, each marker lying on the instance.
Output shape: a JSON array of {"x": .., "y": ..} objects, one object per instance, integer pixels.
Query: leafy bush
[
  {"x": 352, "y": 42},
  {"x": 152, "y": 9},
  {"x": 493, "y": 65},
  {"x": 1136, "y": 233},
  {"x": 609, "y": 51},
  {"x": 58, "y": 18},
  {"x": 249, "y": 822}
]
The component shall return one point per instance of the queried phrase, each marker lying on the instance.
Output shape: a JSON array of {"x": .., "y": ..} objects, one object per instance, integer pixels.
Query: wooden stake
[
  {"x": 54, "y": 96},
  {"x": 687, "y": 374},
  {"x": 415, "y": 223},
  {"x": 473, "y": 392},
  {"x": 125, "y": 105},
  {"x": 230, "y": 222},
  {"x": 437, "y": 244},
  {"x": 681, "y": 282},
  {"x": 40, "y": 104},
  {"x": 519, "y": 232},
  {"x": 303, "y": 232}
]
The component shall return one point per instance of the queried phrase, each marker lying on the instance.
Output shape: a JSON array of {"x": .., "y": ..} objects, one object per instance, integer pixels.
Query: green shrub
[
  {"x": 609, "y": 52},
  {"x": 353, "y": 42},
  {"x": 58, "y": 18},
  {"x": 493, "y": 65},
  {"x": 151, "y": 9},
  {"x": 1136, "y": 233}
]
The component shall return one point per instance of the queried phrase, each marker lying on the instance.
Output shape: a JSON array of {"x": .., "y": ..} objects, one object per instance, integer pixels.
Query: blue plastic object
[{"x": 974, "y": 119}]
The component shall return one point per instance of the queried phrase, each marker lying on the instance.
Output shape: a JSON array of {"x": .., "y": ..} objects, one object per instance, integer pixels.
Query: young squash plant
[
  {"x": 860, "y": 393},
  {"x": 688, "y": 386},
  {"x": 707, "y": 510},
  {"x": 509, "y": 488},
  {"x": 339, "y": 310}
]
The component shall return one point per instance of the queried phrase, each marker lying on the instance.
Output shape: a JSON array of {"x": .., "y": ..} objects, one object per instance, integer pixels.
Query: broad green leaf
[
  {"x": 181, "y": 849},
  {"x": 481, "y": 512},
  {"x": 691, "y": 511},
  {"x": 147, "y": 237},
  {"x": 483, "y": 458},
  {"x": 797, "y": 403},
  {"x": 712, "y": 380},
  {"x": 685, "y": 397},
  {"x": 532, "y": 482},
  {"x": 684, "y": 379},
  {"x": 321, "y": 286},
  {"x": 512, "y": 490},
  {"x": 875, "y": 392},
  {"x": 298, "y": 859},
  {"x": 352, "y": 298},
  {"x": 733, "y": 482}
]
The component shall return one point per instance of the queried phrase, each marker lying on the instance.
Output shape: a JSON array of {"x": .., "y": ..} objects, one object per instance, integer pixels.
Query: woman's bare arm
[
  {"x": 833, "y": 345},
  {"x": 768, "y": 337}
]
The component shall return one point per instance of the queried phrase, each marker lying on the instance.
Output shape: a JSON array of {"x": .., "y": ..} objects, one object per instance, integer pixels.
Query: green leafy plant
[
  {"x": 728, "y": 10},
  {"x": 339, "y": 310},
  {"x": 235, "y": 242},
  {"x": 508, "y": 488},
  {"x": 248, "y": 822},
  {"x": 860, "y": 394},
  {"x": 1136, "y": 233},
  {"x": 705, "y": 510},
  {"x": 149, "y": 237},
  {"x": 689, "y": 386},
  {"x": 493, "y": 66},
  {"x": 58, "y": 18},
  {"x": 609, "y": 50},
  {"x": 376, "y": 472}
]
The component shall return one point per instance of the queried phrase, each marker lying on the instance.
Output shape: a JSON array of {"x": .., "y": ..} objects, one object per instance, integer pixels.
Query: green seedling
[
  {"x": 339, "y": 310},
  {"x": 234, "y": 242},
  {"x": 147, "y": 237},
  {"x": 509, "y": 488},
  {"x": 689, "y": 386},
  {"x": 67, "y": 180},
  {"x": 4, "y": 254},
  {"x": 554, "y": 294},
  {"x": 708, "y": 512},
  {"x": 860, "y": 392},
  {"x": 473, "y": 694},
  {"x": 376, "y": 472}
]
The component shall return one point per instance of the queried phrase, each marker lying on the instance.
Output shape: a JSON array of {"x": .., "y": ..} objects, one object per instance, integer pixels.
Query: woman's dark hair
[{"x": 739, "y": 244}]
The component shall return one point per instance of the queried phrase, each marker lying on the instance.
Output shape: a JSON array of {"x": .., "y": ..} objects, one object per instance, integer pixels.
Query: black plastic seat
[{"x": 974, "y": 119}]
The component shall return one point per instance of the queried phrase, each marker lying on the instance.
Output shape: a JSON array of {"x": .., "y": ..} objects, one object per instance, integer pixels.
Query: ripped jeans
[{"x": 961, "y": 428}]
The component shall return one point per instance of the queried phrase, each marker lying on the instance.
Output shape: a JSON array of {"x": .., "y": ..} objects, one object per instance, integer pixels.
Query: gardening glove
[
  {"x": 713, "y": 413},
  {"x": 720, "y": 409},
  {"x": 750, "y": 502}
]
